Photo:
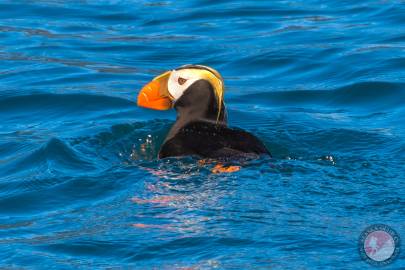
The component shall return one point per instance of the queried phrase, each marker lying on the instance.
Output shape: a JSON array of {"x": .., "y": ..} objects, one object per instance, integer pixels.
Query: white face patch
[{"x": 180, "y": 80}]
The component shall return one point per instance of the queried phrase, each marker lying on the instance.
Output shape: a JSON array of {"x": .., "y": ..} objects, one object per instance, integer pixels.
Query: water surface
[{"x": 322, "y": 83}]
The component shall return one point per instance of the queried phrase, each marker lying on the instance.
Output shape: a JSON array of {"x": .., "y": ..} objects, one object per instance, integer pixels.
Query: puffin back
[{"x": 209, "y": 140}]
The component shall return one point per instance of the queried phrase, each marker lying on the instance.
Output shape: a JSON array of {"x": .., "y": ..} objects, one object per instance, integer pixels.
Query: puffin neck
[{"x": 198, "y": 103}]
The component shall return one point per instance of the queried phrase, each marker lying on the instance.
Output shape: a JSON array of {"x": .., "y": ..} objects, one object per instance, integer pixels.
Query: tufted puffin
[{"x": 196, "y": 92}]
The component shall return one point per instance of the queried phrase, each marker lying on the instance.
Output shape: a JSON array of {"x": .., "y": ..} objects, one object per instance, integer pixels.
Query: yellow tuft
[{"x": 212, "y": 76}]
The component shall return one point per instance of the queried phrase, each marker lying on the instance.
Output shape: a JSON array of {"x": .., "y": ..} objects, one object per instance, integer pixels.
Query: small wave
[
  {"x": 54, "y": 155},
  {"x": 62, "y": 103},
  {"x": 126, "y": 142},
  {"x": 367, "y": 95}
]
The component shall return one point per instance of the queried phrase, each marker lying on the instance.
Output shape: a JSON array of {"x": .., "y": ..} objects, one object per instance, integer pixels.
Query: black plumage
[{"x": 200, "y": 131}]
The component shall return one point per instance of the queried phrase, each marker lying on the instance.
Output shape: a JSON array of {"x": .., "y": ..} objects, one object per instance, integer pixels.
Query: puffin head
[{"x": 190, "y": 89}]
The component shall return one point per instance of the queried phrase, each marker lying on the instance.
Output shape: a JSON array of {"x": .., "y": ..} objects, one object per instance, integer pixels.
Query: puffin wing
[
  {"x": 209, "y": 140},
  {"x": 244, "y": 141}
]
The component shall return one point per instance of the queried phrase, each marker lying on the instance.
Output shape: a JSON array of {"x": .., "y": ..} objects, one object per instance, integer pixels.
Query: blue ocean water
[{"x": 322, "y": 83}]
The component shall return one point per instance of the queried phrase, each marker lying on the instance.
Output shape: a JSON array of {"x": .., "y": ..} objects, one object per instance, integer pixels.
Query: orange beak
[{"x": 155, "y": 95}]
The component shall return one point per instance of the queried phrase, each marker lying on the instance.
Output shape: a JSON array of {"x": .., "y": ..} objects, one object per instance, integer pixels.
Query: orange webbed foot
[{"x": 220, "y": 168}]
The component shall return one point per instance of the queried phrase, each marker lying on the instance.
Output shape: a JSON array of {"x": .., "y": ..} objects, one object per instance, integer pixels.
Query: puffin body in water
[{"x": 196, "y": 92}]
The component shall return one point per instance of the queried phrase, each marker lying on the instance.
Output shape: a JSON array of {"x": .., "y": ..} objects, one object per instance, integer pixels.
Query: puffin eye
[{"x": 181, "y": 81}]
